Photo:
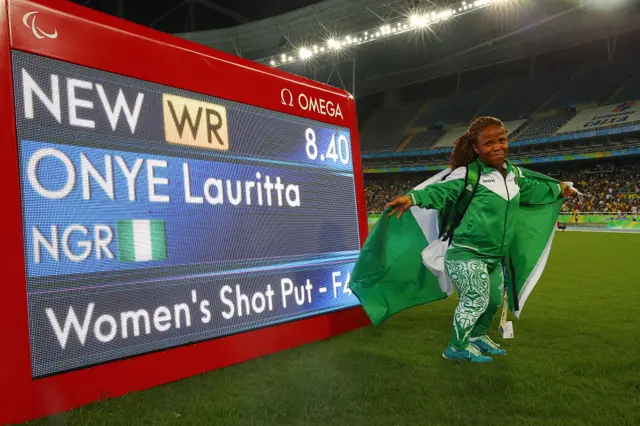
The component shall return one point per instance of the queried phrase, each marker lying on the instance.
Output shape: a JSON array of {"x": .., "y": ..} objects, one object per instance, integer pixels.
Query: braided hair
[{"x": 463, "y": 152}]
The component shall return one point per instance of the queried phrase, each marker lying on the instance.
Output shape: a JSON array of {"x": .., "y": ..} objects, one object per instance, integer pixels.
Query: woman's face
[{"x": 492, "y": 146}]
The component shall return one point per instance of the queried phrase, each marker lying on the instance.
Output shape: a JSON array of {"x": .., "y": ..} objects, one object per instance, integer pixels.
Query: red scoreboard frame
[{"x": 62, "y": 30}]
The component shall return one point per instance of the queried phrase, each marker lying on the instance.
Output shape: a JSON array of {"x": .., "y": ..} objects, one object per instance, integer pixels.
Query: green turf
[{"x": 575, "y": 361}]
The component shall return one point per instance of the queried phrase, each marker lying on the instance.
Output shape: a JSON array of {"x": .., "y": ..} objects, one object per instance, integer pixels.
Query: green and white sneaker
[
  {"x": 472, "y": 353},
  {"x": 488, "y": 346}
]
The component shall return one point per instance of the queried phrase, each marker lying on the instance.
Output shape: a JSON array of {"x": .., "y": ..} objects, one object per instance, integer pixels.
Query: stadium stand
[
  {"x": 457, "y": 108},
  {"x": 522, "y": 96},
  {"x": 542, "y": 127},
  {"x": 450, "y": 137},
  {"x": 384, "y": 131},
  {"x": 547, "y": 99},
  {"x": 595, "y": 84},
  {"x": 607, "y": 188},
  {"x": 425, "y": 140}
]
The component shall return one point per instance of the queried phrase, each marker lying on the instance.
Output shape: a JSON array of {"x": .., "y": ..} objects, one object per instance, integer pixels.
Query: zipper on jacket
[{"x": 506, "y": 212}]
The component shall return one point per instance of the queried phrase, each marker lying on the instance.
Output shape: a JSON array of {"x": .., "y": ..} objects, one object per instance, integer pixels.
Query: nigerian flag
[
  {"x": 389, "y": 275},
  {"x": 531, "y": 245},
  {"x": 141, "y": 240}
]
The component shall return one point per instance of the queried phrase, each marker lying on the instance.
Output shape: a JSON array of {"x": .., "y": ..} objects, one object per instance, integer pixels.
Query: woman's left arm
[{"x": 539, "y": 192}]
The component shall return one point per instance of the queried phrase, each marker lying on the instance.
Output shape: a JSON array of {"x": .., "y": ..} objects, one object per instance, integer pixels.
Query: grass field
[{"x": 575, "y": 360}]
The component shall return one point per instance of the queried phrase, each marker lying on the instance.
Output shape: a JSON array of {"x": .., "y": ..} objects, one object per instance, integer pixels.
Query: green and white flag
[
  {"x": 531, "y": 244},
  {"x": 141, "y": 240},
  {"x": 390, "y": 276}
]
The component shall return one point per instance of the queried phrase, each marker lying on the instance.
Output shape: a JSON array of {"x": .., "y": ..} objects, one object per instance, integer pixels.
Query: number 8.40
[{"x": 336, "y": 151}]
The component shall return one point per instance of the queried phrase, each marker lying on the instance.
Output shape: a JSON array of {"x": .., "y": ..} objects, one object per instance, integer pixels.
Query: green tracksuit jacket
[{"x": 488, "y": 225}]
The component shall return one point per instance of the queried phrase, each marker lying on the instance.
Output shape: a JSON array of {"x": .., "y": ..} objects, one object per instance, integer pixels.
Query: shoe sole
[
  {"x": 465, "y": 360},
  {"x": 490, "y": 354}
]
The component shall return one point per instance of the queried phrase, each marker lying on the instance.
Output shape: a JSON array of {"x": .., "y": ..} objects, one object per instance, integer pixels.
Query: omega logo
[{"x": 311, "y": 103}]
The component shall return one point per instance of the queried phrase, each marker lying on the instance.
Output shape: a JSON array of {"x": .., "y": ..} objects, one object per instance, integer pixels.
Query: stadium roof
[{"x": 510, "y": 30}]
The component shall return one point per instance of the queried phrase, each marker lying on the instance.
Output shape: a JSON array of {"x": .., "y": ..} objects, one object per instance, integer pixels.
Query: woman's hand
[
  {"x": 566, "y": 190},
  {"x": 400, "y": 204}
]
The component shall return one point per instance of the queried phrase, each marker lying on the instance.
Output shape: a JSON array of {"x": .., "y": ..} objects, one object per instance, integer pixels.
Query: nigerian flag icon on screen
[{"x": 141, "y": 240}]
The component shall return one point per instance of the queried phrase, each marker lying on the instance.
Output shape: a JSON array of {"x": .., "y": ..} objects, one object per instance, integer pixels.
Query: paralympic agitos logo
[
  {"x": 195, "y": 123},
  {"x": 29, "y": 21}
]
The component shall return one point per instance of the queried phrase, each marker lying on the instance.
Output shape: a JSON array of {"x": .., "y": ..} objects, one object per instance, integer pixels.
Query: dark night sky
[{"x": 174, "y": 16}]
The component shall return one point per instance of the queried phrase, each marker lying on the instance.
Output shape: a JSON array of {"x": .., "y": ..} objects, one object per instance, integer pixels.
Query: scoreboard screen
[{"x": 156, "y": 217}]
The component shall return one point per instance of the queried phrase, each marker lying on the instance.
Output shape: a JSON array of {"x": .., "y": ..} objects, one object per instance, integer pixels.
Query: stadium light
[
  {"x": 446, "y": 14},
  {"x": 418, "y": 21},
  {"x": 415, "y": 22},
  {"x": 305, "y": 53},
  {"x": 333, "y": 44}
]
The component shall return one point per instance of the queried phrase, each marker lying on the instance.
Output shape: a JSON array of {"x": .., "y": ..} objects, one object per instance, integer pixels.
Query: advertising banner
[{"x": 602, "y": 117}]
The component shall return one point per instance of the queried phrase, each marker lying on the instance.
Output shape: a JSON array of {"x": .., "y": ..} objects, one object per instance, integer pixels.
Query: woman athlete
[{"x": 481, "y": 241}]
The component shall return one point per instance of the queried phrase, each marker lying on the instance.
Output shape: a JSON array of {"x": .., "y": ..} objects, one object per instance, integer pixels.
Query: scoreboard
[
  {"x": 173, "y": 209},
  {"x": 155, "y": 217}
]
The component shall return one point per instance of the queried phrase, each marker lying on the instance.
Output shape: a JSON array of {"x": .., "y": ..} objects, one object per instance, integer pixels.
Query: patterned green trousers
[{"x": 480, "y": 284}]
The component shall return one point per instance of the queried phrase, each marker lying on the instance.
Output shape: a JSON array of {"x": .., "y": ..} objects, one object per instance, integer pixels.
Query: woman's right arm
[
  {"x": 433, "y": 196},
  {"x": 437, "y": 195}
]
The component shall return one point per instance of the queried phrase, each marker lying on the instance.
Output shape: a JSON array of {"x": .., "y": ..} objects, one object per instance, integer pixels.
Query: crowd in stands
[
  {"x": 607, "y": 189},
  {"x": 611, "y": 189},
  {"x": 379, "y": 192}
]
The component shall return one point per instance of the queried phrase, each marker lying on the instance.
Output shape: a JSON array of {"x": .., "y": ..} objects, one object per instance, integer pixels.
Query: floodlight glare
[
  {"x": 415, "y": 21},
  {"x": 418, "y": 21},
  {"x": 305, "y": 53},
  {"x": 446, "y": 14},
  {"x": 333, "y": 44}
]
